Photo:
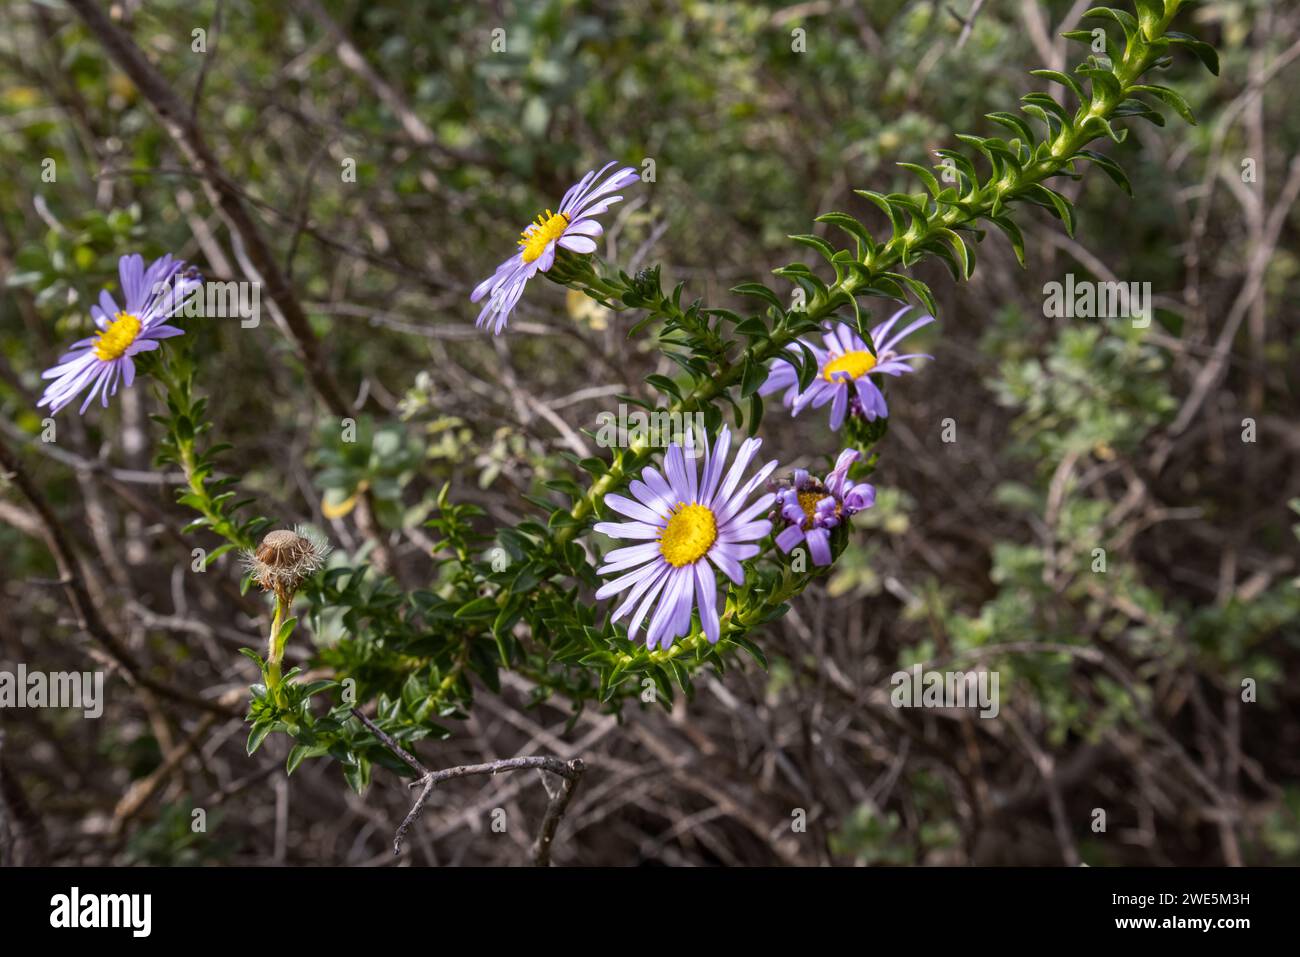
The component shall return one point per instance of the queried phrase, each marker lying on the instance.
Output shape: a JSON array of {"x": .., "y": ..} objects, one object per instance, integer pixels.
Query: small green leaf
[
  {"x": 753, "y": 375},
  {"x": 296, "y": 754},
  {"x": 1015, "y": 124},
  {"x": 357, "y": 775},
  {"x": 808, "y": 370},
  {"x": 919, "y": 289},
  {"x": 760, "y": 291},
  {"x": 1054, "y": 200},
  {"x": 258, "y": 735},
  {"x": 755, "y": 412},
  {"x": 958, "y": 247},
  {"x": 755, "y": 652},
  {"x": 1150, "y": 12},
  {"x": 1064, "y": 79},
  {"x": 1109, "y": 167},
  {"x": 478, "y": 608},
  {"x": 815, "y": 242},
  {"x": 1012, "y": 232},
  {"x": 1170, "y": 97},
  {"x": 664, "y": 384},
  {"x": 1128, "y": 23},
  {"x": 927, "y": 177},
  {"x": 216, "y": 553},
  {"x": 1203, "y": 51},
  {"x": 286, "y": 629},
  {"x": 852, "y": 227}
]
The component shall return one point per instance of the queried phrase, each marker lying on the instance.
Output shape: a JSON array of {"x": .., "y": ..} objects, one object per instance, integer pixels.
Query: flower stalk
[{"x": 275, "y": 649}]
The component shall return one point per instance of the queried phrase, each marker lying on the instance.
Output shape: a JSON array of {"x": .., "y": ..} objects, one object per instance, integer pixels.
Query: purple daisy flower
[
  {"x": 844, "y": 370},
  {"x": 685, "y": 518},
  {"x": 103, "y": 361},
  {"x": 813, "y": 508},
  {"x": 573, "y": 228}
]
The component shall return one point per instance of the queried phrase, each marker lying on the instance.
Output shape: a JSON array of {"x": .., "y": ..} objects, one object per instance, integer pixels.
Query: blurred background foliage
[{"x": 1121, "y": 688}]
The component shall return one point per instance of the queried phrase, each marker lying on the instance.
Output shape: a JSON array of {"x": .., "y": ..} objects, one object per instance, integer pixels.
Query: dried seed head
[{"x": 286, "y": 559}]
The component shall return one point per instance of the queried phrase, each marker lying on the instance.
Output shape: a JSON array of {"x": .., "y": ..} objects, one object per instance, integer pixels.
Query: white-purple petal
[
  {"x": 623, "y": 558},
  {"x": 819, "y": 543},
  {"x": 840, "y": 407},
  {"x": 644, "y": 580},
  {"x": 628, "y": 529},
  {"x": 666, "y": 610},
  {"x": 653, "y": 592},
  {"x": 748, "y": 449},
  {"x": 706, "y": 599},
  {"x": 721, "y": 555},
  {"x": 616, "y": 585},
  {"x": 789, "y": 538},
  {"x": 576, "y": 244},
  {"x": 631, "y": 509}
]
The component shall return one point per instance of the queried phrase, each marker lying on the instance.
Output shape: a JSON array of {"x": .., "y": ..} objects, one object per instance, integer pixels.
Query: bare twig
[
  {"x": 967, "y": 22},
  {"x": 570, "y": 774},
  {"x": 559, "y": 803}
]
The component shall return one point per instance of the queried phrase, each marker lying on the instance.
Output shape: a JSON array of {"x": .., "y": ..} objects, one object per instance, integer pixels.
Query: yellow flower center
[
  {"x": 691, "y": 532},
  {"x": 548, "y": 228},
  {"x": 857, "y": 364},
  {"x": 808, "y": 502},
  {"x": 117, "y": 338}
]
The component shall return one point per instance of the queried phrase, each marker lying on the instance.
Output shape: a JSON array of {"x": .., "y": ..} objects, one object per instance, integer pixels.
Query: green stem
[
  {"x": 182, "y": 427},
  {"x": 275, "y": 651},
  {"x": 203, "y": 502}
]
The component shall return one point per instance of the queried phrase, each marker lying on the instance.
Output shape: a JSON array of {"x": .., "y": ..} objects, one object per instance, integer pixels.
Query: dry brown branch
[{"x": 570, "y": 774}]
